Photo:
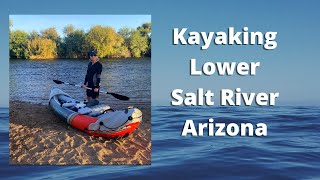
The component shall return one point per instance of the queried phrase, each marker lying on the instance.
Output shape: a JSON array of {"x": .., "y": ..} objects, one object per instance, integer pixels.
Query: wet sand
[{"x": 39, "y": 137}]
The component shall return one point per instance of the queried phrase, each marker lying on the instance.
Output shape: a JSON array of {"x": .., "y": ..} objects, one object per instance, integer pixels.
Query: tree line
[{"x": 76, "y": 43}]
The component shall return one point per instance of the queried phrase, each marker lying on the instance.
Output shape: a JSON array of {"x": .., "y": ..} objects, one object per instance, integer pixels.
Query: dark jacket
[{"x": 93, "y": 75}]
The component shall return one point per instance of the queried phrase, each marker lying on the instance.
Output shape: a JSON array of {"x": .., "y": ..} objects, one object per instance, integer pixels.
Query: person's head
[{"x": 93, "y": 56}]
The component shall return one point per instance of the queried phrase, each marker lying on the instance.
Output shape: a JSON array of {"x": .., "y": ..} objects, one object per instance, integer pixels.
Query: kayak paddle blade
[
  {"x": 58, "y": 82},
  {"x": 118, "y": 96}
]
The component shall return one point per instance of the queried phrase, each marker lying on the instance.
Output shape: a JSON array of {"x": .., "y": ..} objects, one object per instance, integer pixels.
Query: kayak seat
[
  {"x": 94, "y": 111},
  {"x": 115, "y": 120},
  {"x": 68, "y": 104}
]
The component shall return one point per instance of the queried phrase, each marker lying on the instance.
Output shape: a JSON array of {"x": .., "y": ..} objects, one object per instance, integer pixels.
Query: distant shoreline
[{"x": 55, "y": 59}]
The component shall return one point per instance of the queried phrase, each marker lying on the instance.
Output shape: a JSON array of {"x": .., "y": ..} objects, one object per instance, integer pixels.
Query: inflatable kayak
[{"x": 96, "y": 120}]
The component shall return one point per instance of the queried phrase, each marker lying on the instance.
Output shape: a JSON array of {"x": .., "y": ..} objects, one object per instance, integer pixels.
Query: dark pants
[{"x": 92, "y": 94}]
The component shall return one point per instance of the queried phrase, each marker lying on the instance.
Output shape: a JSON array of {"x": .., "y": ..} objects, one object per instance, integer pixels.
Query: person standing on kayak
[{"x": 92, "y": 79}]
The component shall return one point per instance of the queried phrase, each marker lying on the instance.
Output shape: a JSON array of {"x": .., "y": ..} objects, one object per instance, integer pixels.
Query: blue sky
[{"x": 84, "y": 22}]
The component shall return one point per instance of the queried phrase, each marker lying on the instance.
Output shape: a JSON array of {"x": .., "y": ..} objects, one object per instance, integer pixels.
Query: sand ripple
[{"x": 37, "y": 136}]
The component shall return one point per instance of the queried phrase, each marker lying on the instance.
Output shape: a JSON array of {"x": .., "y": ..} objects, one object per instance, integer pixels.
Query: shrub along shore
[{"x": 76, "y": 43}]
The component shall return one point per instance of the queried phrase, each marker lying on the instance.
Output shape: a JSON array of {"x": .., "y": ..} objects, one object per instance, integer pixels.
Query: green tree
[
  {"x": 41, "y": 49},
  {"x": 122, "y": 52},
  {"x": 105, "y": 40},
  {"x": 50, "y": 33},
  {"x": 148, "y": 53},
  {"x": 17, "y": 44},
  {"x": 74, "y": 44},
  {"x": 138, "y": 44},
  {"x": 33, "y": 35},
  {"x": 145, "y": 29},
  {"x": 68, "y": 29},
  {"x": 125, "y": 33}
]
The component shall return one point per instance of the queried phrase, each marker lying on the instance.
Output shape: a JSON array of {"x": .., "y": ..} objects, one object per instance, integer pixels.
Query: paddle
[{"x": 117, "y": 96}]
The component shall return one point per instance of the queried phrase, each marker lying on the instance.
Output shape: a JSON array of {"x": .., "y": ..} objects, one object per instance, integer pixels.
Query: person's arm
[
  {"x": 86, "y": 78},
  {"x": 99, "y": 71}
]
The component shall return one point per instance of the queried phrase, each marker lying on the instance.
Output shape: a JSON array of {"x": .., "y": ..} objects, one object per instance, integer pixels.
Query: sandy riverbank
[{"x": 38, "y": 136}]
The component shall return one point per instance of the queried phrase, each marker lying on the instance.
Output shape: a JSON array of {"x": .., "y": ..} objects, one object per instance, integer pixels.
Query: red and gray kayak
[{"x": 98, "y": 120}]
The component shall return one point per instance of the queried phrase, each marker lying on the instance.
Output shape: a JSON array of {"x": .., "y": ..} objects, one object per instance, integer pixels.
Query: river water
[{"x": 32, "y": 80}]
